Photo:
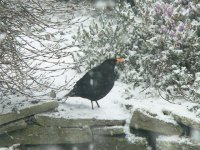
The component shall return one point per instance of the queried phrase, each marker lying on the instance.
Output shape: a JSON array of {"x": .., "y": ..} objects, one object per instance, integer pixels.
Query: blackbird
[{"x": 97, "y": 82}]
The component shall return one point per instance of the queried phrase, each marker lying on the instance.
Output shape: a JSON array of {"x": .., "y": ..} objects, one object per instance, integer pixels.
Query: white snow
[
  {"x": 2, "y": 36},
  {"x": 195, "y": 135},
  {"x": 113, "y": 105},
  {"x": 102, "y": 4},
  {"x": 14, "y": 147}
]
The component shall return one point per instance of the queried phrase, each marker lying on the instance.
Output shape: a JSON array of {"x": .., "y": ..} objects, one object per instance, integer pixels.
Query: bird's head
[
  {"x": 108, "y": 65},
  {"x": 113, "y": 61},
  {"x": 119, "y": 60}
]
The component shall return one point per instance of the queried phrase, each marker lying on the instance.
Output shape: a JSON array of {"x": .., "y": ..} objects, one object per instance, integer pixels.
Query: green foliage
[{"x": 160, "y": 41}]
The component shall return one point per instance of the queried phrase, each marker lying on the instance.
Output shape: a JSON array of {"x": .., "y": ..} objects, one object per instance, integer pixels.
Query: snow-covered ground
[{"x": 115, "y": 104}]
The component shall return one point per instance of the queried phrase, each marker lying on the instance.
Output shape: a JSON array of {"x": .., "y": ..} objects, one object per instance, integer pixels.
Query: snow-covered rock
[
  {"x": 28, "y": 111},
  {"x": 111, "y": 143},
  {"x": 12, "y": 126},
  {"x": 185, "y": 119},
  {"x": 109, "y": 131},
  {"x": 76, "y": 123},
  {"x": 175, "y": 143},
  {"x": 146, "y": 121},
  {"x": 35, "y": 134},
  {"x": 114, "y": 138}
]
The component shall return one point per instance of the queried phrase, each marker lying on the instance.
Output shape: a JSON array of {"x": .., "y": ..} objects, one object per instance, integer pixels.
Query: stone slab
[
  {"x": 142, "y": 120},
  {"x": 185, "y": 120},
  {"x": 35, "y": 134},
  {"x": 16, "y": 125},
  {"x": 111, "y": 131},
  {"x": 35, "y": 109},
  {"x": 170, "y": 143},
  {"x": 58, "y": 147},
  {"x": 75, "y": 123},
  {"x": 116, "y": 143}
]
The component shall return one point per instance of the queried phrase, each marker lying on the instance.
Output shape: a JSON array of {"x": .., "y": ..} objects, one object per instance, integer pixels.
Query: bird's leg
[
  {"x": 92, "y": 104},
  {"x": 97, "y": 104}
]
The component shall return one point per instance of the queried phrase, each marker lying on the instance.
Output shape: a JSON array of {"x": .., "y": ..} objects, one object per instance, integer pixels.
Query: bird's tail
[
  {"x": 70, "y": 94},
  {"x": 66, "y": 96}
]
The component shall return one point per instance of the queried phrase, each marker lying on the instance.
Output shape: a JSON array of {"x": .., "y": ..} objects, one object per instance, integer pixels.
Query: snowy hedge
[{"x": 159, "y": 39}]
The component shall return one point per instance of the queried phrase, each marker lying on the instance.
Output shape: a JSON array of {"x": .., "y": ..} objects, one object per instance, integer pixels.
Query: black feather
[{"x": 96, "y": 83}]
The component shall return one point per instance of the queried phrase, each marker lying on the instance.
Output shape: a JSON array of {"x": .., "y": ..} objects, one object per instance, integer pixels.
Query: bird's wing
[
  {"x": 91, "y": 74},
  {"x": 83, "y": 80}
]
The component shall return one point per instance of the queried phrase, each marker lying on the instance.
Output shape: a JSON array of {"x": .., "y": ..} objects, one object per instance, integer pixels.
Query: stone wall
[{"x": 35, "y": 131}]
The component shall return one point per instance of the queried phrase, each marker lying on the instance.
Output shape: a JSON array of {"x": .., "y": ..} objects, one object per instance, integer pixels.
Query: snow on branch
[{"x": 32, "y": 45}]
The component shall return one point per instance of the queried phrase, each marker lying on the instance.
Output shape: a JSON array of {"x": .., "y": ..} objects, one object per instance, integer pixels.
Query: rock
[
  {"x": 195, "y": 135},
  {"x": 52, "y": 94},
  {"x": 35, "y": 134},
  {"x": 109, "y": 131},
  {"x": 100, "y": 143},
  {"x": 75, "y": 123},
  {"x": 117, "y": 143},
  {"x": 114, "y": 138},
  {"x": 149, "y": 122},
  {"x": 13, "y": 147},
  {"x": 184, "y": 120},
  {"x": 4, "y": 148},
  {"x": 175, "y": 143},
  {"x": 12, "y": 126},
  {"x": 35, "y": 109},
  {"x": 57, "y": 147}
]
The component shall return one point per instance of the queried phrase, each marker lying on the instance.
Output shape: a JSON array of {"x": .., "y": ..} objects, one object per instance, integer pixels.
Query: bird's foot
[{"x": 97, "y": 104}]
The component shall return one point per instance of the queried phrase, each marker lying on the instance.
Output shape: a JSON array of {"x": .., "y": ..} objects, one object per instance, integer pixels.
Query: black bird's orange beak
[{"x": 120, "y": 60}]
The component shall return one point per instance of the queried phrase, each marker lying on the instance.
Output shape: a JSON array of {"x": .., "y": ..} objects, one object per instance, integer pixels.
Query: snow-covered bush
[
  {"x": 31, "y": 48},
  {"x": 159, "y": 39}
]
